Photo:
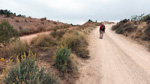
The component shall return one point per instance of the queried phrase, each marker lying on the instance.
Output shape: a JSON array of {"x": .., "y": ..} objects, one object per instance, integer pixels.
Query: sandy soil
[{"x": 115, "y": 60}]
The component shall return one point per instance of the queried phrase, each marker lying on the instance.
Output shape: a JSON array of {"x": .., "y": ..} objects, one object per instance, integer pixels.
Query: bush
[
  {"x": 141, "y": 17},
  {"x": 147, "y": 34},
  {"x": 27, "y": 72},
  {"x": 54, "y": 33},
  {"x": 126, "y": 29},
  {"x": 124, "y": 26},
  {"x": 15, "y": 48},
  {"x": 147, "y": 31},
  {"x": 62, "y": 58},
  {"x": 121, "y": 24},
  {"x": 117, "y": 26},
  {"x": 77, "y": 43},
  {"x": 44, "y": 41},
  {"x": 7, "y": 32},
  {"x": 146, "y": 17},
  {"x": 60, "y": 34}
]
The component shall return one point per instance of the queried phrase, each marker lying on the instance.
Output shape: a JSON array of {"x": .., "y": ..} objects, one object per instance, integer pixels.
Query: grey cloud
[{"x": 90, "y": 9}]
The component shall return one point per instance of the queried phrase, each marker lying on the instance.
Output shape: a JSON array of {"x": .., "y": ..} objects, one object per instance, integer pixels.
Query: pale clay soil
[{"x": 115, "y": 59}]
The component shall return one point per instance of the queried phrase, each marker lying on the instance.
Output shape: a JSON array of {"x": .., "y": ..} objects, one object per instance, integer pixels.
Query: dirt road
[{"x": 115, "y": 60}]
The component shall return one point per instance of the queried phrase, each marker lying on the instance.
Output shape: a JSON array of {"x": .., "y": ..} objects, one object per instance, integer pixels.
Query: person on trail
[{"x": 101, "y": 30}]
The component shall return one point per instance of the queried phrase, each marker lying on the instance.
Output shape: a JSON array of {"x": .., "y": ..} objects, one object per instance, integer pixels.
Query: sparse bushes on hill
[
  {"x": 8, "y": 13},
  {"x": 141, "y": 17},
  {"x": 146, "y": 17},
  {"x": 90, "y": 20},
  {"x": 123, "y": 27},
  {"x": 137, "y": 29},
  {"x": 121, "y": 23},
  {"x": 62, "y": 59},
  {"x": 88, "y": 24},
  {"x": 27, "y": 72},
  {"x": 42, "y": 19}
]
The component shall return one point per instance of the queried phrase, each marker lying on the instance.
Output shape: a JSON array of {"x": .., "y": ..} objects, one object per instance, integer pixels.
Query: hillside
[
  {"x": 137, "y": 30},
  {"x": 50, "y": 55},
  {"x": 28, "y": 25}
]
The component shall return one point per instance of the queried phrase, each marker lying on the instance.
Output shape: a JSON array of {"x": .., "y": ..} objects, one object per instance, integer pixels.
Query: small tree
[
  {"x": 90, "y": 20},
  {"x": 7, "y": 32}
]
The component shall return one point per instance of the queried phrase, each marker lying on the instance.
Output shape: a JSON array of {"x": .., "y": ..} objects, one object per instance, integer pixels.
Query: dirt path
[
  {"x": 28, "y": 38},
  {"x": 115, "y": 60}
]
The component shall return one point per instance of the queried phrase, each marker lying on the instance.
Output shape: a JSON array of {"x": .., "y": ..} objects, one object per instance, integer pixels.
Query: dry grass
[
  {"x": 44, "y": 41},
  {"x": 77, "y": 42},
  {"x": 13, "y": 49}
]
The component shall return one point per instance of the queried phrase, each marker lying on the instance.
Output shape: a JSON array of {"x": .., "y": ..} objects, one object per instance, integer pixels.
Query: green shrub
[
  {"x": 43, "y": 41},
  {"x": 77, "y": 43},
  {"x": 146, "y": 17},
  {"x": 141, "y": 17},
  {"x": 62, "y": 58},
  {"x": 7, "y": 32},
  {"x": 27, "y": 72},
  {"x": 54, "y": 33}
]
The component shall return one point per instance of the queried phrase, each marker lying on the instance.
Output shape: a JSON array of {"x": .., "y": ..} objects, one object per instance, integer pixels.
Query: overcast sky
[{"x": 78, "y": 11}]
